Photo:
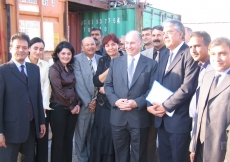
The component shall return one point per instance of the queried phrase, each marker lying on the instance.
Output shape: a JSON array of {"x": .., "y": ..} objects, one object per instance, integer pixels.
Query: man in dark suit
[
  {"x": 21, "y": 109},
  {"x": 178, "y": 74},
  {"x": 127, "y": 84},
  {"x": 159, "y": 53},
  {"x": 209, "y": 140}
]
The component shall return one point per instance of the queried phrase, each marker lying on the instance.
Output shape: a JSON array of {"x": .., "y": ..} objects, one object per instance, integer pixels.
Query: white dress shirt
[
  {"x": 221, "y": 78},
  {"x": 136, "y": 59},
  {"x": 45, "y": 82},
  {"x": 19, "y": 66}
]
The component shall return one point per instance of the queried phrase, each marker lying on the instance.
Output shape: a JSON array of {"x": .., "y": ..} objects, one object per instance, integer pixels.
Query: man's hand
[
  {"x": 92, "y": 106},
  {"x": 2, "y": 141},
  {"x": 157, "y": 109},
  {"x": 76, "y": 110},
  {"x": 123, "y": 105},
  {"x": 42, "y": 130},
  {"x": 192, "y": 156},
  {"x": 102, "y": 90},
  {"x": 132, "y": 103}
]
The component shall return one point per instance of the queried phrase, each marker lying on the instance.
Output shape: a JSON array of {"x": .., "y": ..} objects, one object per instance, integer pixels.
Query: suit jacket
[
  {"x": 218, "y": 118},
  {"x": 116, "y": 87},
  {"x": 84, "y": 78},
  {"x": 227, "y": 155},
  {"x": 181, "y": 78},
  {"x": 15, "y": 97}
]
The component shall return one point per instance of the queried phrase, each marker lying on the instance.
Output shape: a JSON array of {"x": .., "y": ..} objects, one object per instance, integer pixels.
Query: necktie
[
  {"x": 131, "y": 71},
  {"x": 169, "y": 61},
  {"x": 204, "y": 116},
  {"x": 93, "y": 72},
  {"x": 31, "y": 113},
  {"x": 157, "y": 56}
]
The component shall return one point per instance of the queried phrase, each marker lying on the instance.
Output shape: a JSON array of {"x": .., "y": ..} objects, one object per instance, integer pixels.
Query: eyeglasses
[{"x": 169, "y": 32}]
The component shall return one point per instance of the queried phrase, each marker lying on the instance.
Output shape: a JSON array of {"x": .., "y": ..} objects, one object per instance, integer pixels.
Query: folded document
[{"x": 159, "y": 94}]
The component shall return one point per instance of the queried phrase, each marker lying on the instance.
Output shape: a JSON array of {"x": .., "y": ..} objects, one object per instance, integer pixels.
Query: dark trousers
[
  {"x": 42, "y": 143},
  {"x": 199, "y": 151},
  {"x": 151, "y": 150},
  {"x": 24, "y": 152},
  {"x": 124, "y": 138},
  {"x": 173, "y": 147},
  {"x": 62, "y": 125}
]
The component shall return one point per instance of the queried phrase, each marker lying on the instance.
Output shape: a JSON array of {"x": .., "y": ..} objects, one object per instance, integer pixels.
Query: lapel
[
  {"x": 29, "y": 73},
  {"x": 150, "y": 53},
  {"x": 224, "y": 84},
  {"x": 139, "y": 68},
  {"x": 123, "y": 67},
  {"x": 85, "y": 65},
  {"x": 177, "y": 58},
  {"x": 15, "y": 71}
]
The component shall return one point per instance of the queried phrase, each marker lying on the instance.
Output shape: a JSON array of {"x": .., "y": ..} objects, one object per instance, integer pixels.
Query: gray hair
[
  {"x": 136, "y": 33},
  {"x": 219, "y": 41},
  {"x": 177, "y": 25},
  {"x": 188, "y": 29}
]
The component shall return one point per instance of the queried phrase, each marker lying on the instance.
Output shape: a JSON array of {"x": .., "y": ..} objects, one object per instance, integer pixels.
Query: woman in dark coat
[{"x": 102, "y": 149}]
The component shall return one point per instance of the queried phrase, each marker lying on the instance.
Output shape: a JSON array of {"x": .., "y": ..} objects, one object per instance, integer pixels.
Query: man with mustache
[
  {"x": 158, "y": 53},
  {"x": 96, "y": 34}
]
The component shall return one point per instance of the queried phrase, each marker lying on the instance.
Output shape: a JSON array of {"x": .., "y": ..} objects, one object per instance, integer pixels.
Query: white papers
[{"x": 159, "y": 94}]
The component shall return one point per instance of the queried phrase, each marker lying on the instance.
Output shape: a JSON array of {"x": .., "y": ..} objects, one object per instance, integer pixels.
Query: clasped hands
[
  {"x": 157, "y": 109},
  {"x": 125, "y": 104}
]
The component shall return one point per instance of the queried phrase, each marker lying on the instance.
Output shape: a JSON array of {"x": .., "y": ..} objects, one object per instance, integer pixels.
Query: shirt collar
[
  {"x": 223, "y": 72},
  {"x": 160, "y": 49},
  {"x": 136, "y": 57},
  {"x": 205, "y": 64},
  {"x": 28, "y": 60},
  {"x": 93, "y": 58},
  {"x": 18, "y": 64},
  {"x": 175, "y": 51}
]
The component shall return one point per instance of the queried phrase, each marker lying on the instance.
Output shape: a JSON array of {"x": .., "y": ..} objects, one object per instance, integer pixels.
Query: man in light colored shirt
[
  {"x": 85, "y": 66},
  {"x": 209, "y": 140},
  {"x": 21, "y": 110},
  {"x": 198, "y": 44},
  {"x": 147, "y": 38},
  {"x": 126, "y": 86}
]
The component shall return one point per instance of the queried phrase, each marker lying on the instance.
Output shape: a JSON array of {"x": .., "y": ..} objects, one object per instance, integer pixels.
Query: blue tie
[{"x": 131, "y": 71}]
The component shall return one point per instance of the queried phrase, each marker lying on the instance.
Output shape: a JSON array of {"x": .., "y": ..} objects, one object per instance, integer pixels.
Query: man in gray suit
[
  {"x": 198, "y": 44},
  {"x": 179, "y": 75},
  {"x": 127, "y": 84},
  {"x": 209, "y": 140},
  {"x": 159, "y": 53},
  {"x": 22, "y": 117},
  {"x": 85, "y": 66}
]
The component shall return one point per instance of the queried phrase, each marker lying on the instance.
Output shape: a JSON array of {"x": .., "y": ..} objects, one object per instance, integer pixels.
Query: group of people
[{"x": 98, "y": 98}]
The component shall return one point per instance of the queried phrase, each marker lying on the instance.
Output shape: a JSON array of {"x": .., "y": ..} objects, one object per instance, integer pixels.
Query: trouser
[{"x": 62, "y": 125}]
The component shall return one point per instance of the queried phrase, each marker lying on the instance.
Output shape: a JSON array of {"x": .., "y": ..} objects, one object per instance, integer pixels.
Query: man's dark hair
[
  {"x": 203, "y": 34},
  {"x": 147, "y": 28},
  {"x": 159, "y": 27},
  {"x": 96, "y": 29},
  {"x": 20, "y": 35}
]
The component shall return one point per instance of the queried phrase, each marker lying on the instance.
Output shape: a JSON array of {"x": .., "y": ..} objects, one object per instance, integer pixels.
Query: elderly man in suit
[
  {"x": 21, "y": 110},
  {"x": 179, "y": 75},
  {"x": 209, "y": 140},
  {"x": 127, "y": 84},
  {"x": 85, "y": 66},
  {"x": 159, "y": 53}
]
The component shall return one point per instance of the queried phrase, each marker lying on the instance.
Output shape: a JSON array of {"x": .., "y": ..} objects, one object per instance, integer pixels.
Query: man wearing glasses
[{"x": 179, "y": 76}]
